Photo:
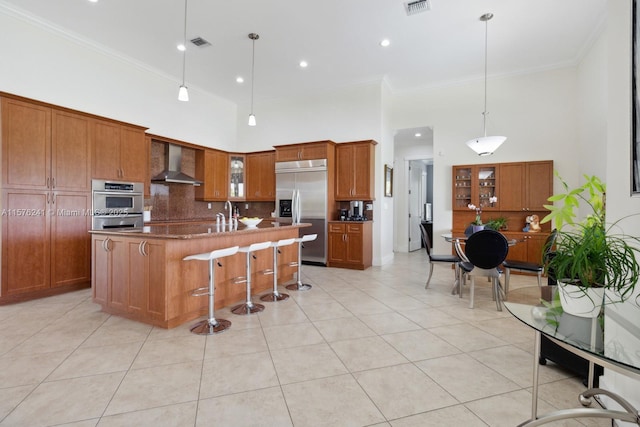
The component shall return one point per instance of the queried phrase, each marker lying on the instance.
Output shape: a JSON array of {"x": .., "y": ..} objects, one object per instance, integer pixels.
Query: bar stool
[
  {"x": 299, "y": 286},
  {"x": 211, "y": 325},
  {"x": 248, "y": 307},
  {"x": 275, "y": 295}
]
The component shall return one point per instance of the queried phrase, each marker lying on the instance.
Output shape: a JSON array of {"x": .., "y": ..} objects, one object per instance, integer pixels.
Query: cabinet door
[
  {"x": 237, "y": 176},
  {"x": 512, "y": 187},
  {"x": 25, "y": 241},
  {"x": 354, "y": 243},
  {"x": 288, "y": 154},
  {"x": 539, "y": 184},
  {"x": 486, "y": 180},
  {"x": 313, "y": 151},
  {"x": 70, "y": 152},
  {"x": 70, "y": 240},
  {"x": 118, "y": 289},
  {"x": 261, "y": 176},
  {"x": 517, "y": 252},
  {"x": 337, "y": 243},
  {"x": 344, "y": 172},
  {"x": 363, "y": 156},
  {"x": 212, "y": 169},
  {"x": 535, "y": 247},
  {"x": 146, "y": 283},
  {"x": 462, "y": 187},
  {"x": 134, "y": 155},
  {"x": 106, "y": 150},
  {"x": 26, "y": 145}
]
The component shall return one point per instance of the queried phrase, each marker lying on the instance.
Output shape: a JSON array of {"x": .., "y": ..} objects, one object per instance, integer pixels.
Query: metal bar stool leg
[
  {"x": 275, "y": 295},
  {"x": 299, "y": 286},
  {"x": 211, "y": 325},
  {"x": 248, "y": 307}
]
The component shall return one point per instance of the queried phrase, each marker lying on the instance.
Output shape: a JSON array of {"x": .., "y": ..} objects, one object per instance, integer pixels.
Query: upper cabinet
[
  {"x": 261, "y": 176},
  {"x": 306, "y": 151},
  {"x": 475, "y": 184},
  {"x": 212, "y": 168},
  {"x": 237, "y": 176},
  {"x": 355, "y": 163},
  {"x": 120, "y": 152},
  {"x": 518, "y": 186},
  {"x": 44, "y": 148},
  {"x": 525, "y": 186}
]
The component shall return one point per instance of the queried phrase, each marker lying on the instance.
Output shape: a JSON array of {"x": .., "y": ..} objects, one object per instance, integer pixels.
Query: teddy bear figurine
[{"x": 533, "y": 224}]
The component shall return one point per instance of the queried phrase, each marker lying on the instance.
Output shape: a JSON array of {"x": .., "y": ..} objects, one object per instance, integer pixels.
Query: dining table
[{"x": 537, "y": 308}]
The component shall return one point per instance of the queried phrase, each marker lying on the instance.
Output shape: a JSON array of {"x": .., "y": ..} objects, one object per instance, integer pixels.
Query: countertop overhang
[{"x": 196, "y": 231}]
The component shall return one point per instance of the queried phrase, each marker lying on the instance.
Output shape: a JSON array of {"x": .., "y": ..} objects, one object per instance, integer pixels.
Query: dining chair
[
  {"x": 449, "y": 259},
  {"x": 529, "y": 267},
  {"x": 486, "y": 250},
  {"x": 464, "y": 268}
]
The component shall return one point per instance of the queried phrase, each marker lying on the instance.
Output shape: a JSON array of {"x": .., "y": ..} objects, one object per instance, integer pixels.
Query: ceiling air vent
[
  {"x": 413, "y": 7},
  {"x": 200, "y": 42}
]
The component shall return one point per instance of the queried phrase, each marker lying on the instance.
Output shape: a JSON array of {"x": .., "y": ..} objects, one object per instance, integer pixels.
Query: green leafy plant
[
  {"x": 590, "y": 252},
  {"x": 498, "y": 223}
]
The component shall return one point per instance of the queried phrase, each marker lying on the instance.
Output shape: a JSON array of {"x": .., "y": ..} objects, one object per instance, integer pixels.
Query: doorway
[{"x": 420, "y": 200}]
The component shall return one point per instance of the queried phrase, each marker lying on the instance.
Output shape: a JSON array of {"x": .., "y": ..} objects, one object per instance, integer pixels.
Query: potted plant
[
  {"x": 476, "y": 224},
  {"x": 499, "y": 223},
  {"x": 590, "y": 255}
]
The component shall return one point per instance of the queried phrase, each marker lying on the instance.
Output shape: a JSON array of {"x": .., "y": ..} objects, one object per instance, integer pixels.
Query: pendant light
[
  {"x": 253, "y": 37},
  {"x": 485, "y": 145},
  {"x": 183, "y": 93}
]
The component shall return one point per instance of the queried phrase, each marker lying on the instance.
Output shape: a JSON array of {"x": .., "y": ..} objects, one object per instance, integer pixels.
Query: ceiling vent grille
[
  {"x": 419, "y": 6},
  {"x": 200, "y": 42}
]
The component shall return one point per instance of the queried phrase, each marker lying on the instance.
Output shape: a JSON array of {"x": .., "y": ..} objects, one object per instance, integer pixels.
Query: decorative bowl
[{"x": 251, "y": 222}]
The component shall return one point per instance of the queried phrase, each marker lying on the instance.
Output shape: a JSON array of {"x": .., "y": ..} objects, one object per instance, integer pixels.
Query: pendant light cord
[
  {"x": 184, "y": 42},
  {"x": 486, "y": 44},
  {"x": 253, "y": 61}
]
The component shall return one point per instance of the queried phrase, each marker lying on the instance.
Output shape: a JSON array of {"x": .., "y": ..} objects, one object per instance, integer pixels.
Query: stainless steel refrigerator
[{"x": 301, "y": 191}]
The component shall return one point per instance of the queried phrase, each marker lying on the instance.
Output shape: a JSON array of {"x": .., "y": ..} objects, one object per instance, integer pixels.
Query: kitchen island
[{"x": 141, "y": 275}]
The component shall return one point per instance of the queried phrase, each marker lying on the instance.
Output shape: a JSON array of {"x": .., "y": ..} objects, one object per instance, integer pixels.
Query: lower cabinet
[
  {"x": 350, "y": 245},
  {"x": 46, "y": 247},
  {"x": 529, "y": 246},
  {"x": 124, "y": 278}
]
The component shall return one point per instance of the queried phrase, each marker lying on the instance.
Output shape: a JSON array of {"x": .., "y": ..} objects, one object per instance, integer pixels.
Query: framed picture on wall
[
  {"x": 635, "y": 102},
  {"x": 388, "y": 181}
]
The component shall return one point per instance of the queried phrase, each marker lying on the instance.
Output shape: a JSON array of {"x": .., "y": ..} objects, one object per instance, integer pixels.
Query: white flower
[
  {"x": 493, "y": 199},
  {"x": 471, "y": 206}
]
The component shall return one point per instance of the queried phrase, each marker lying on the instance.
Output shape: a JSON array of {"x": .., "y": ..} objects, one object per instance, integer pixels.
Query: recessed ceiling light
[
  {"x": 181, "y": 47},
  {"x": 239, "y": 79},
  {"x": 418, "y": 135},
  {"x": 385, "y": 42},
  {"x": 304, "y": 64},
  {"x": 93, "y": 1}
]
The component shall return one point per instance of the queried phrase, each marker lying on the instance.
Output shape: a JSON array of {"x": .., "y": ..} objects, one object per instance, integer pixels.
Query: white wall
[
  {"x": 42, "y": 64},
  {"x": 351, "y": 114},
  {"x": 619, "y": 201},
  {"x": 537, "y": 113}
]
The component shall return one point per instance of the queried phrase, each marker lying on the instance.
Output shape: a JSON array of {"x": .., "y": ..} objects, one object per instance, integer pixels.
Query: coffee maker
[{"x": 356, "y": 210}]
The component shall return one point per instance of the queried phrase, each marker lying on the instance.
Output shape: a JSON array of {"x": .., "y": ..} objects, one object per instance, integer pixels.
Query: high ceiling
[{"x": 338, "y": 38}]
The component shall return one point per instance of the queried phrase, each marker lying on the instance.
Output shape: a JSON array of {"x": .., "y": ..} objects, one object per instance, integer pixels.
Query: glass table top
[{"x": 622, "y": 345}]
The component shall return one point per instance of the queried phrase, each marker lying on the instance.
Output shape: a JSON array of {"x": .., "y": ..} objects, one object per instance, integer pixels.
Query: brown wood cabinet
[
  {"x": 475, "y": 184},
  {"x": 212, "y": 168},
  {"x": 46, "y": 199},
  {"x": 355, "y": 176},
  {"x": 525, "y": 186},
  {"x": 304, "y": 151},
  {"x": 126, "y": 278},
  {"x": 529, "y": 246},
  {"x": 120, "y": 152},
  {"x": 45, "y": 244},
  {"x": 237, "y": 176},
  {"x": 261, "y": 176},
  {"x": 350, "y": 244}
]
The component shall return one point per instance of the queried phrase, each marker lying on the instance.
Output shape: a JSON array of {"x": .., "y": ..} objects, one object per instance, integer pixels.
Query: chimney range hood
[{"x": 172, "y": 168}]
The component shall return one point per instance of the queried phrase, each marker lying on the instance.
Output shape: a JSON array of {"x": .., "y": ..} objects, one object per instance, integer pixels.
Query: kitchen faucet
[
  {"x": 220, "y": 218},
  {"x": 230, "y": 210}
]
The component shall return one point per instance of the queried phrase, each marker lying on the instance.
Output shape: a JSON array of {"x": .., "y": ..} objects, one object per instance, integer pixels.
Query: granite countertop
[{"x": 195, "y": 230}]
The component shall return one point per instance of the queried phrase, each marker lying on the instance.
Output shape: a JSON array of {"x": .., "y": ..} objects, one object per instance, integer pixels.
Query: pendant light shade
[
  {"x": 253, "y": 37},
  {"x": 485, "y": 145},
  {"x": 183, "y": 93}
]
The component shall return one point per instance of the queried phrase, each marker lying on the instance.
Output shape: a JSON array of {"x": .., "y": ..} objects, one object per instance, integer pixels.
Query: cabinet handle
[
  {"x": 105, "y": 244},
  {"x": 47, "y": 198},
  {"x": 53, "y": 182},
  {"x": 141, "y": 247},
  {"x": 53, "y": 199},
  {"x": 48, "y": 181}
]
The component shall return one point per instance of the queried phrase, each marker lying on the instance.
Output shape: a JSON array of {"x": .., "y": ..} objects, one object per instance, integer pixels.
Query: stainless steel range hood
[{"x": 172, "y": 167}]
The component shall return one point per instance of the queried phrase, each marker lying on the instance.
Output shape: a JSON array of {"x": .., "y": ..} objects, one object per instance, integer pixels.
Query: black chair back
[
  {"x": 548, "y": 245},
  {"x": 425, "y": 239},
  {"x": 486, "y": 249}
]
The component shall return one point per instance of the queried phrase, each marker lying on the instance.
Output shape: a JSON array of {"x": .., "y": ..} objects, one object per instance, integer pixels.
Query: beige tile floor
[{"x": 370, "y": 348}]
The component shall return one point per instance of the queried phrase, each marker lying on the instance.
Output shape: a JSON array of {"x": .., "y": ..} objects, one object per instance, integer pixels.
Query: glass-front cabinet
[
  {"x": 474, "y": 184},
  {"x": 236, "y": 176}
]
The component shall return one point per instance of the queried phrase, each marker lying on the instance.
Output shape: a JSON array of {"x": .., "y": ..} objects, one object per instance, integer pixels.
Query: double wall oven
[{"x": 117, "y": 204}]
